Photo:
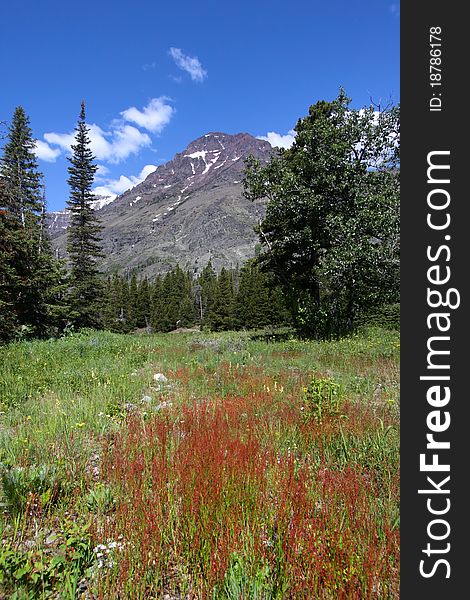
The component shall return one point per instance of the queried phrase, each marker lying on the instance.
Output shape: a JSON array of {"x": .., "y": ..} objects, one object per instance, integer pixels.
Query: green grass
[{"x": 90, "y": 440}]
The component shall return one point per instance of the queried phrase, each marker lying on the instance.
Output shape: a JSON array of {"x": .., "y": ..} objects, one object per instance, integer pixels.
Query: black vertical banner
[{"x": 435, "y": 359}]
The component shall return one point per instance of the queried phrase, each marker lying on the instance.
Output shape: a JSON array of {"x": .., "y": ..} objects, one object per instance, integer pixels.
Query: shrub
[
  {"x": 22, "y": 486},
  {"x": 322, "y": 399},
  {"x": 386, "y": 316}
]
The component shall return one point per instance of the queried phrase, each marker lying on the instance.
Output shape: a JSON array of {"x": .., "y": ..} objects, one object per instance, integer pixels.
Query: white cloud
[
  {"x": 101, "y": 172},
  {"x": 153, "y": 117},
  {"x": 113, "y": 146},
  {"x": 115, "y": 187},
  {"x": 278, "y": 140},
  {"x": 190, "y": 64},
  {"x": 146, "y": 172},
  {"x": 63, "y": 140},
  {"x": 126, "y": 140},
  {"x": 120, "y": 141},
  {"x": 44, "y": 152}
]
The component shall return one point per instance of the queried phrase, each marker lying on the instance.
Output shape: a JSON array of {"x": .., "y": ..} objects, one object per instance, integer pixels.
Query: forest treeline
[{"x": 232, "y": 299}]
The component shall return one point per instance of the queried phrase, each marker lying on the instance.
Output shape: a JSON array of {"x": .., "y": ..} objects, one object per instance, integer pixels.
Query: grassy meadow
[{"x": 196, "y": 465}]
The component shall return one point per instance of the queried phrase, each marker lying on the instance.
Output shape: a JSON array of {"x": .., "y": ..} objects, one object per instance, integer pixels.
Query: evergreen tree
[
  {"x": 223, "y": 308},
  {"x": 108, "y": 312},
  {"x": 37, "y": 296},
  {"x": 207, "y": 283},
  {"x": 132, "y": 303},
  {"x": 172, "y": 301},
  {"x": 19, "y": 168},
  {"x": 143, "y": 304},
  {"x": 83, "y": 242},
  {"x": 122, "y": 300},
  {"x": 187, "y": 308},
  {"x": 157, "y": 304},
  {"x": 252, "y": 300},
  {"x": 13, "y": 260},
  {"x": 278, "y": 311},
  {"x": 259, "y": 301}
]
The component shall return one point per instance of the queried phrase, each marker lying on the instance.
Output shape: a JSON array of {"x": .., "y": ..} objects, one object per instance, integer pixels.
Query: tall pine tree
[
  {"x": 207, "y": 283},
  {"x": 19, "y": 168},
  {"x": 83, "y": 241},
  {"x": 223, "y": 307},
  {"x": 29, "y": 266}
]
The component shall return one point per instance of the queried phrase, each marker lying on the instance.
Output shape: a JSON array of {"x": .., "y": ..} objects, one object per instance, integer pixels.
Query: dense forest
[{"x": 232, "y": 299}]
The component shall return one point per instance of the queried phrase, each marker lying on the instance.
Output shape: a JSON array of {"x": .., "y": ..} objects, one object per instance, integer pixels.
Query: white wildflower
[{"x": 160, "y": 377}]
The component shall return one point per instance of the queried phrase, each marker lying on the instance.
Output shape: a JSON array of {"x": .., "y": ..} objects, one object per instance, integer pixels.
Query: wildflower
[
  {"x": 160, "y": 377},
  {"x": 80, "y": 425}
]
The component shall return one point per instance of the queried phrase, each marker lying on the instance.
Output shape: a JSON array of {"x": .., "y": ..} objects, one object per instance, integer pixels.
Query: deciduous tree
[{"x": 331, "y": 231}]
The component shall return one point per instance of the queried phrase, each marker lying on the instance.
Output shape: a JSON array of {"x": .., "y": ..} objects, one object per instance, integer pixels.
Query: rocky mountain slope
[{"x": 189, "y": 210}]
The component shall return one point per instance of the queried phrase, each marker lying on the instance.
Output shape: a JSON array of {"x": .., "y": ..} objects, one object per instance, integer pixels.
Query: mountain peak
[
  {"x": 216, "y": 140},
  {"x": 189, "y": 210}
]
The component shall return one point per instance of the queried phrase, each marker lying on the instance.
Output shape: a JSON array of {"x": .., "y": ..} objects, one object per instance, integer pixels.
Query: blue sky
[{"x": 156, "y": 75}]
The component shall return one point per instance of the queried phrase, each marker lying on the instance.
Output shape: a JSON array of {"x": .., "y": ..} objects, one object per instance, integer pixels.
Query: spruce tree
[
  {"x": 252, "y": 299},
  {"x": 108, "y": 311},
  {"x": 207, "y": 284},
  {"x": 83, "y": 241},
  {"x": 19, "y": 168},
  {"x": 12, "y": 260},
  {"x": 187, "y": 307},
  {"x": 121, "y": 295},
  {"x": 223, "y": 308},
  {"x": 156, "y": 316},
  {"x": 132, "y": 304},
  {"x": 143, "y": 303},
  {"x": 36, "y": 299}
]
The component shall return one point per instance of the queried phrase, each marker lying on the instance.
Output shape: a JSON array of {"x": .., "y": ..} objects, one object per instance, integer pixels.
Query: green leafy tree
[
  {"x": 83, "y": 241},
  {"x": 331, "y": 231}
]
